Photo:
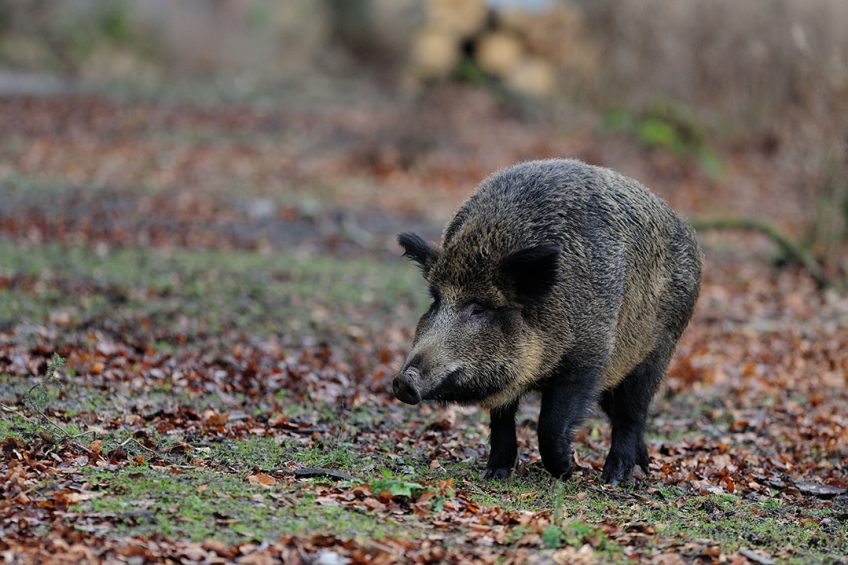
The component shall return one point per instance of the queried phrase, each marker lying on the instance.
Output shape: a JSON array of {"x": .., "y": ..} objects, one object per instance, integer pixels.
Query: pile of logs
[{"x": 527, "y": 51}]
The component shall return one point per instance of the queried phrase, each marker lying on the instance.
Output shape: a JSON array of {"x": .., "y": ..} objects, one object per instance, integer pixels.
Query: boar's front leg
[
  {"x": 565, "y": 402},
  {"x": 504, "y": 446}
]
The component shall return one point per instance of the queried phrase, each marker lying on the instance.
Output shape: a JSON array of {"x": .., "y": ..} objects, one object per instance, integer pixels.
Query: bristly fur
[{"x": 561, "y": 277}]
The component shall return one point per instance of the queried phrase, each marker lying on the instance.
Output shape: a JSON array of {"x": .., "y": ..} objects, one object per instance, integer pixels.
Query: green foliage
[
  {"x": 467, "y": 70},
  {"x": 579, "y": 532},
  {"x": 62, "y": 36},
  {"x": 56, "y": 363},
  {"x": 107, "y": 22},
  {"x": 396, "y": 487},
  {"x": 113, "y": 23},
  {"x": 552, "y": 537},
  {"x": 670, "y": 127},
  {"x": 657, "y": 132}
]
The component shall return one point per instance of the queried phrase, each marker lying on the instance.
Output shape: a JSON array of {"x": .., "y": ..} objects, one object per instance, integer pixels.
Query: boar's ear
[
  {"x": 530, "y": 273},
  {"x": 415, "y": 248}
]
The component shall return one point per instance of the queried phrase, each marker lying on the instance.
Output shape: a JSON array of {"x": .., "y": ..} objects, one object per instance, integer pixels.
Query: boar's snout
[{"x": 404, "y": 387}]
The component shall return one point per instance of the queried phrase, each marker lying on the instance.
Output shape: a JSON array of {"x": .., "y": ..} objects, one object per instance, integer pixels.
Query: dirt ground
[{"x": 223, "y": 291}]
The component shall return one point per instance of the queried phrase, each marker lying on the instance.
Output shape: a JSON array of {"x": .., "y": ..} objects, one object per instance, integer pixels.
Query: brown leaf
[
  {"x": 95, "y": 446},
  {"x": 218, "y": 419},
  {"x": 219, "y": 547},
  {"x": 262, "y": 479}
]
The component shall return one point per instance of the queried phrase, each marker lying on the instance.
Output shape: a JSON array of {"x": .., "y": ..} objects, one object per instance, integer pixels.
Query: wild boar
[{"x": 558, "y": 277}]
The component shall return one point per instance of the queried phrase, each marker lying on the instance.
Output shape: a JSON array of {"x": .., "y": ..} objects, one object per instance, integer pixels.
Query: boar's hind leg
[
  {"x": 504, "y": 446},
  {"x": 565, "y": 402},
  {"x": 627, "y": 408}
]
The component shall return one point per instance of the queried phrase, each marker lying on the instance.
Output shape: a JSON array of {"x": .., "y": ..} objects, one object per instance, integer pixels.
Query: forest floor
[{"x": 223, "y": 292}]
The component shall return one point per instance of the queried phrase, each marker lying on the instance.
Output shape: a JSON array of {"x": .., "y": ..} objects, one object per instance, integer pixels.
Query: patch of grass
[
  {"x": 204, "y": 291},
  {"x": 725, "y": 519},
  {"x": 19, "y": 186},
  {"x": 15, "y": 426},
  {"x": 262, "y": 453},
  {"x": 18, "y": 427},
  {"x": 579, "y": 509},
  {"x": 740, "y": 523},
  {"x": 342, "y": 456},
  {"x": 201, "y": 504},
  {"x": 68, "y": 398},
  {"x": 73, "y": 397}
]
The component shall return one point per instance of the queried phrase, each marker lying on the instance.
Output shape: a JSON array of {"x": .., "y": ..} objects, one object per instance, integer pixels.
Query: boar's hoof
[
  {"x": 618, "y": 470},
  {"x": 617, "y": 476},
  {"x": 559, "y": 469},
  {"x": 497, "y": 474}
]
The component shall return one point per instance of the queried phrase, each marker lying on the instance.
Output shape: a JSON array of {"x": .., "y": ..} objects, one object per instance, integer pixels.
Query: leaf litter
[{"x": 219, "y": 387}]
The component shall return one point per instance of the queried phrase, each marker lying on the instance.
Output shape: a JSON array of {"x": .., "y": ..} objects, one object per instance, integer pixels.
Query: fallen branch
[
  {"x": 141, "y": 445},
  {"x": 791, "y": 250}
]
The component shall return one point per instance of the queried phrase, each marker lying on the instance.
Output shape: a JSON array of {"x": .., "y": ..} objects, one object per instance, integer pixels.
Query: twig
[
  {"x": 64, "y": 436},
  {"x": 6, "y": 408},
  {"x": 56, "y": 362},
  {"x": 791, "y": 250},
  {"x": 141, "y": 445},
  {"x": 755, "y": 557}
]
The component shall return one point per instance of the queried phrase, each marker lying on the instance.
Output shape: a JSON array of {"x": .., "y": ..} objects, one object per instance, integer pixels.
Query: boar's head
[{"x": 480, "y": 342}]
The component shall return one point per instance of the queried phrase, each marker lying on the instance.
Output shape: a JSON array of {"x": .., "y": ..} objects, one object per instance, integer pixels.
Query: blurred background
[{"x": 726, "y": 108}]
